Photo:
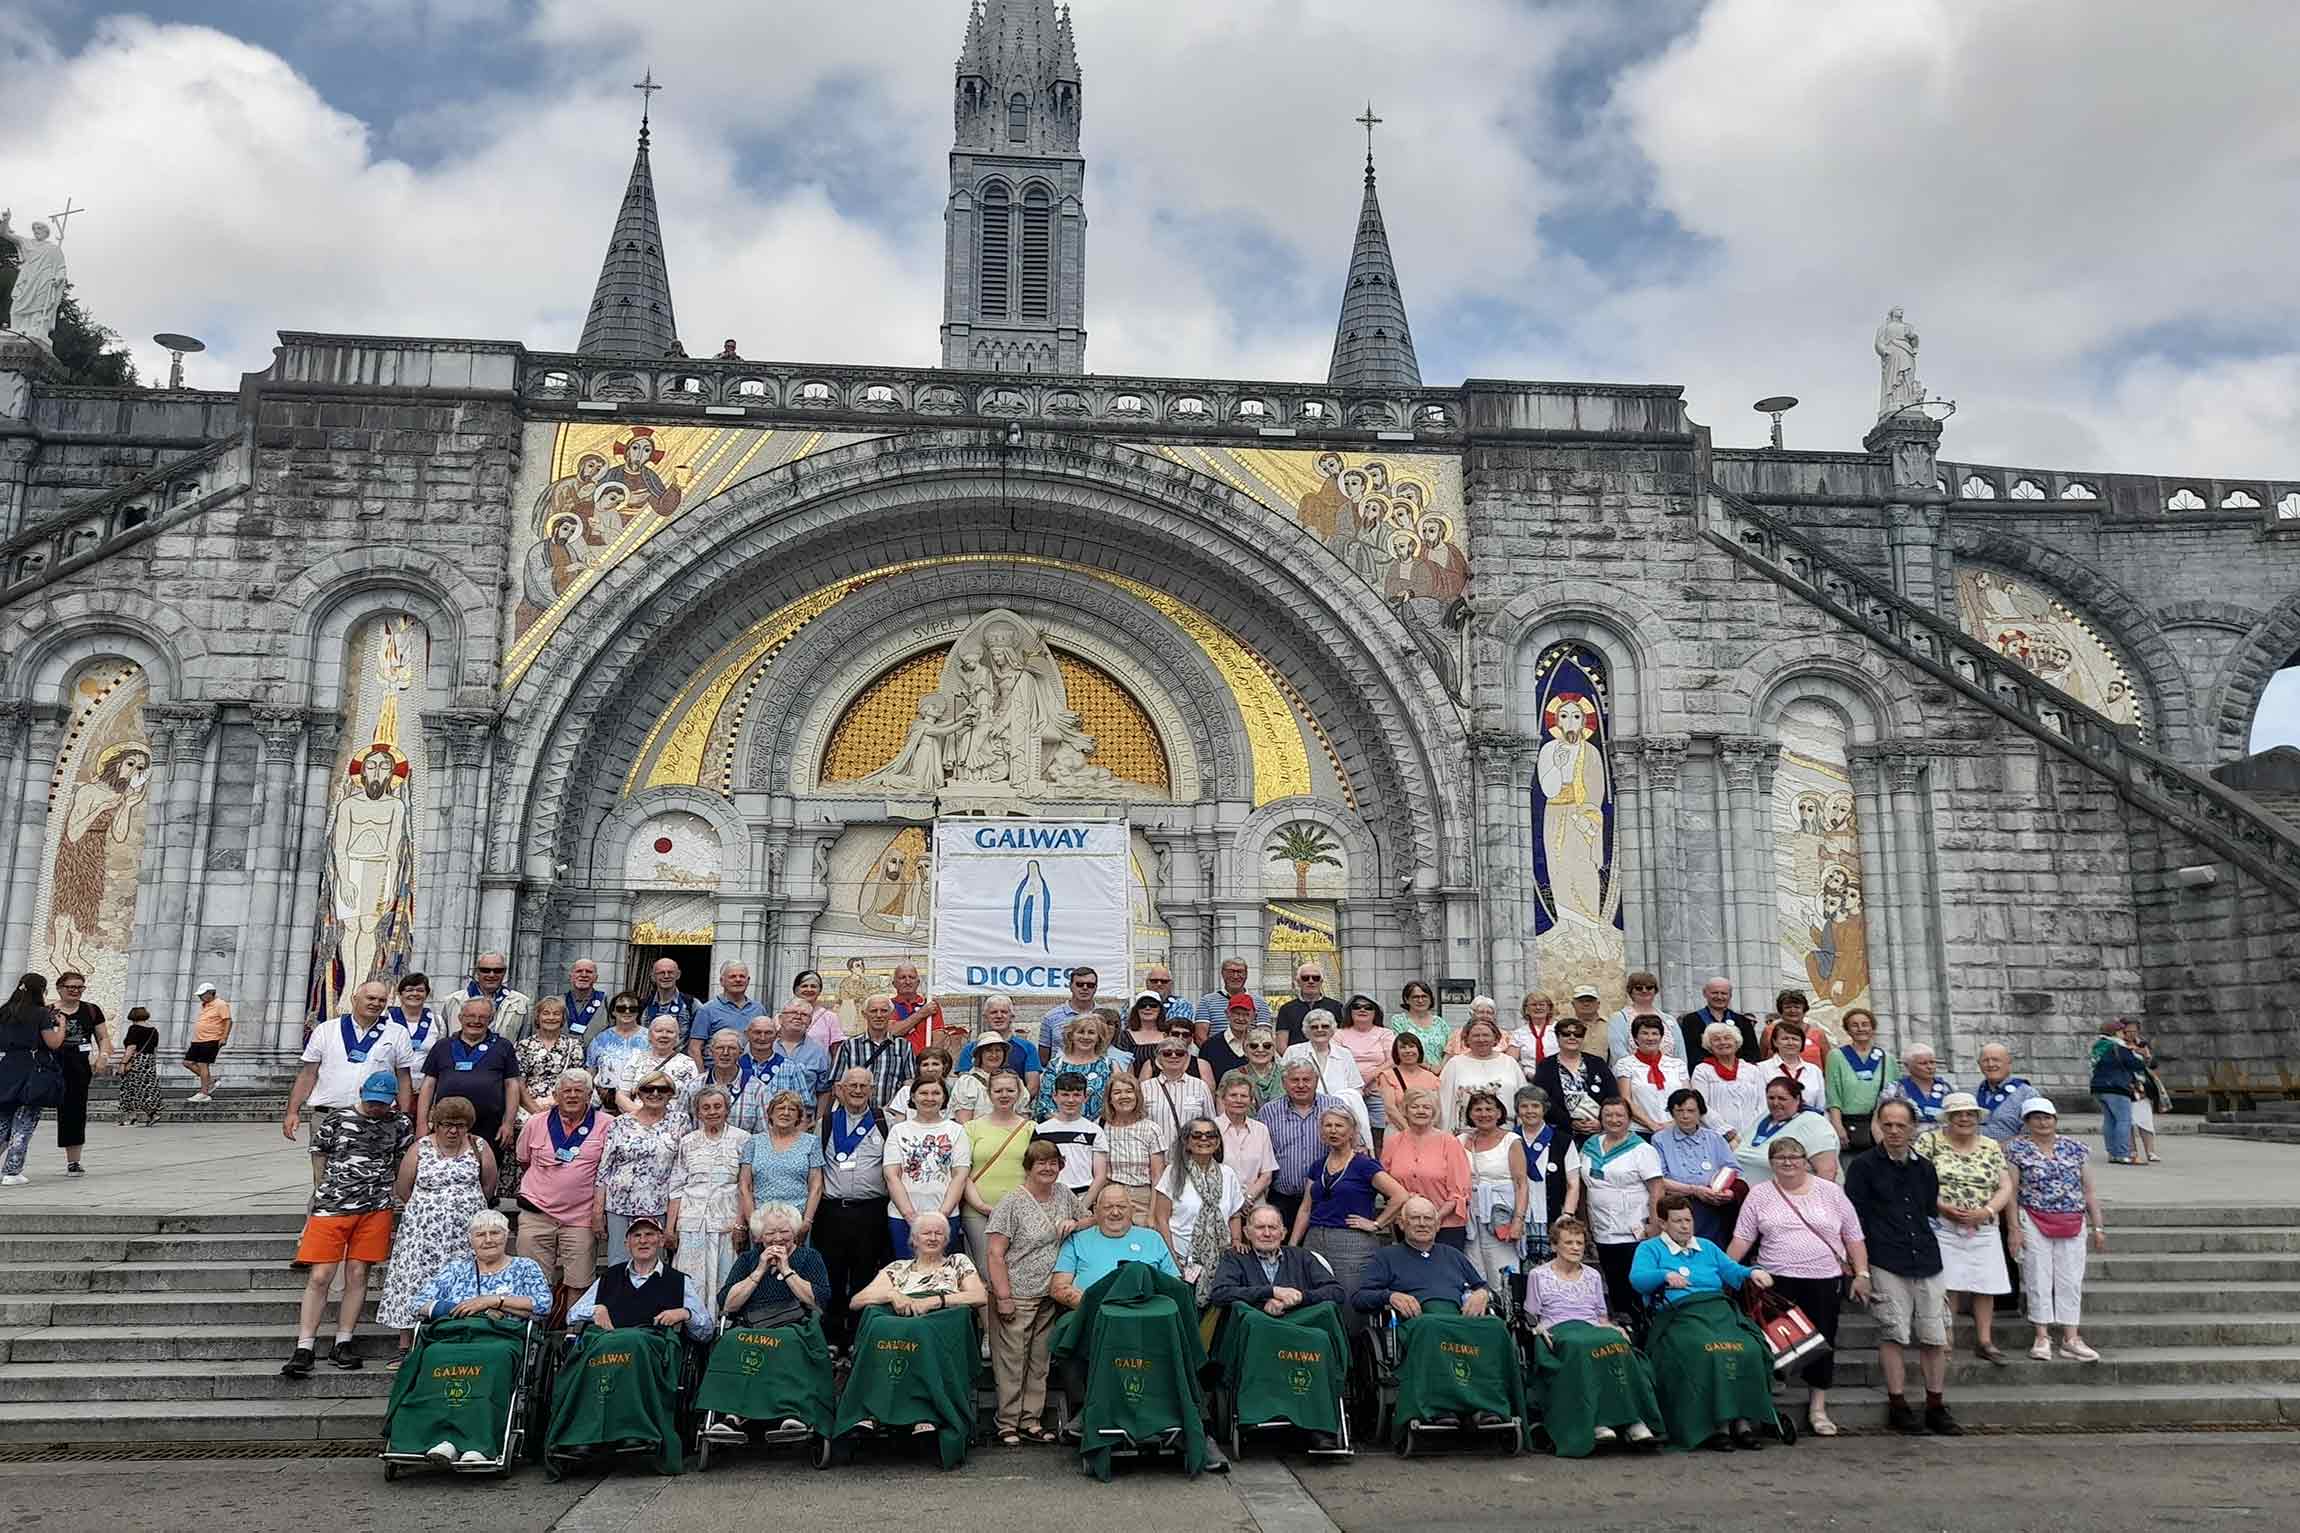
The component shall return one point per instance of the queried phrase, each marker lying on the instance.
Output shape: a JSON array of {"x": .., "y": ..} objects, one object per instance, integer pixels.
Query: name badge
[
  {"x": 356, "y": 1056},
  {"x": 1704, "y": 1165},
  {"x": 463, "y": 1064},
  {"x": 846, "y": 1160},
  {"x": 565, "y": 1156}
]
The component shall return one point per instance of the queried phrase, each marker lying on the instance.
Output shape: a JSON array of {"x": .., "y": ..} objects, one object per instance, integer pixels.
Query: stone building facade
[{"x": 414, "y": 648}]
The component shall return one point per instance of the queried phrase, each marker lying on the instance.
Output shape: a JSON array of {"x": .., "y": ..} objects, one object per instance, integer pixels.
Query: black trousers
[
  {"x": 1286, "y": 1203},
  {"x": 1822, "y": 1300},
  {"x": 72, "y": 1112},
  {"x": 1614, "y": 1261},
  {"x": 855, "y": 1243}
]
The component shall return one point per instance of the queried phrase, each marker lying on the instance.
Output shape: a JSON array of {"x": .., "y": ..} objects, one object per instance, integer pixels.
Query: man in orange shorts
[{"x": 350, "y": 1221}]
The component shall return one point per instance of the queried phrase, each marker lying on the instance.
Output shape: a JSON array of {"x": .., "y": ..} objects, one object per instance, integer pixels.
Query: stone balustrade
[
  {"x": 1840, "y": 478},
  {"x": 93, "y": 527},
  {"x": 2261, "y": 842}
]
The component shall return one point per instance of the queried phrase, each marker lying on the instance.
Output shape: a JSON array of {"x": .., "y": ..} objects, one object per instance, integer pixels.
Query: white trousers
[{"x": 2051, "y": 1276}]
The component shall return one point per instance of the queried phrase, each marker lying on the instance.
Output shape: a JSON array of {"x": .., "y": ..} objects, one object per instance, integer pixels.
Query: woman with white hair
[
  {"x": 663, "y": 1056},
  {"x": 490, "y": 1281},
  {"x": 704, "y": 1206},
  {"x": 928, "y": 1279},
  {"x": 1338, "y": 1072},
  {"x": 1731, "y": 1087},
  {"x": 1921, "y": 1085},
  {"x": 1480, "y": 1066},
  {"x": 776, "y": 1281}
]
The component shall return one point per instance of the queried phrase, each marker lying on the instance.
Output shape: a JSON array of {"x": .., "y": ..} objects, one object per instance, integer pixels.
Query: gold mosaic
[{"x": 871, "y": 731}]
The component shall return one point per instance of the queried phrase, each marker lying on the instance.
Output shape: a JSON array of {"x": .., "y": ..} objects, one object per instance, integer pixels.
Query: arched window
[
  {"x": 997, "y": 251},
  {"x": 1037, "y": 254},
  {"x": 1017, "y": 118}
]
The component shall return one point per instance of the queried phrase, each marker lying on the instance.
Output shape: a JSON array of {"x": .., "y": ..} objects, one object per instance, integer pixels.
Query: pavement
[{"x": 2200, "y": 1482}]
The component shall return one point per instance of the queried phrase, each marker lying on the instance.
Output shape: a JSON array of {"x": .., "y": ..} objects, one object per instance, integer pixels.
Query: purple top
[{"x": 1551, "y": 1300}]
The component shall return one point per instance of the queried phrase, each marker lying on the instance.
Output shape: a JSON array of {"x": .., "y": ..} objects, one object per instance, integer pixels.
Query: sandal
[
  {"x": 398, "y": 1361},
  {"x": 1010, "y": 1439},
  {"x": 1821, "y": 1424},
  {"x": 1039, "y": 1435}
]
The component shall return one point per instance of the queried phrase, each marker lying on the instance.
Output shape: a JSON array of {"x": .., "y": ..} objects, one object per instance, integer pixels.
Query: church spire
[
  {"x": 1373, "y": 348},
  {"x": 631, "y": 308}
]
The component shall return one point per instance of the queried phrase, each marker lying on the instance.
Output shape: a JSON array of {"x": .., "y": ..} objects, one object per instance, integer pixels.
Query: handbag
[
  {"x": 2056, "y": 1226},
  {"x": 1790, "y": 1336},
  {"x": 43, "y": 1082}
]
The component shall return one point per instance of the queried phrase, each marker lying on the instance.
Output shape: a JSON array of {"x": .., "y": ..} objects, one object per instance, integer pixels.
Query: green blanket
[
  {"x": 913, "y": 1368},
  {"x": 1710, "y": 1367},
  {"x": 1288, "y": 1369},
  {"x": 1451, "y": 1363},
  {"x": 1138, "y": 1330},
  {"x": 619, "y": 1393},
  {"x": 456, "y": 1387},
  {"x": 771, "y": 1376},
  {"x": 1588, "y": 1376}
]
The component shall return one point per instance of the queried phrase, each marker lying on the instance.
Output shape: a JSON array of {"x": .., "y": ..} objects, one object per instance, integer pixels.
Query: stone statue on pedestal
[
  {"x": 1897, "y": 387},
  {"x": 39, "y": 292}
]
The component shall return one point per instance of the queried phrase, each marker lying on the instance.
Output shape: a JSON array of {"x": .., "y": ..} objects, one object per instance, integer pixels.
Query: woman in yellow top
[{"x": 997, "y": 1138}]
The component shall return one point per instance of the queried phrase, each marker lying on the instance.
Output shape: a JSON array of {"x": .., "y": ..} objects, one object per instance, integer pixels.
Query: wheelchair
[
  {"x": 591, "y": 1423},
  {"x": 446, "y": 1373},
  {"x": 1381, "y": 1384},
  {"x": 1647, "y": 1323},
  {"x": 1321, "y": 1349},
  {"x": 1133, "y": 1346},
  {"x": 905, "y": 1372},
  {"x": 759, "y": 1370}
]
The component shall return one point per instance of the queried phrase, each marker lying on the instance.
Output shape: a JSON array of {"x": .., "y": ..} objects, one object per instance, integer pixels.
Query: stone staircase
[
  {"x": 156, "y": 1329},
  {"x": 2273, "y": 1122},
  {"x": 247, "y": 1092},
  {"x": 2195, "y": 1312}
]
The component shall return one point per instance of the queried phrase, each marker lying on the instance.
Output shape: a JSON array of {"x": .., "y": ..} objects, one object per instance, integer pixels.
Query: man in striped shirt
[
  {"x": 877, "y": 1049},
  {"x": 1294, "y": 1143}
]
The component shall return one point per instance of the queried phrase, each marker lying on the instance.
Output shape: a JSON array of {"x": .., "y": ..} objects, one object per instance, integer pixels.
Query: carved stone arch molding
[
  {"x": 1876, "y": 697},
  {"x": 831, "y": 662},
  {"x": 602, "y": 862},
  {"x": 856, "y": 509},
  {"x": 2267, "y": 647},
  {"x": 328, "y": 600},
  {"x": 52, "y": 642},
  {"x": 2130, "y": 630},
  {"x": 1626, "y": 628},
  {"x": 1365, "y": 866}
]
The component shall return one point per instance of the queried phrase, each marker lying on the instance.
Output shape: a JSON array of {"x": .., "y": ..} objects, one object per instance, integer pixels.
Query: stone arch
[
  {"x": 56, "y": 639},
  {"x": 2132, "y": 631},
  {"x": 1090, "y": 501},
  {"x": 2267, "y": 647},
  {"x": 1629, "y": 630},
  {"x": 602, "y": 859},
  {"x": 329, "y": 599},
  {"x": 1364, "y": 856},
  {"x": 1875, "y": 696}
]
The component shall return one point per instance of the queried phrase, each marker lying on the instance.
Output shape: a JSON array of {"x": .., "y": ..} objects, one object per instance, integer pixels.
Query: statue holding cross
[{"x": 39, "y": 289}]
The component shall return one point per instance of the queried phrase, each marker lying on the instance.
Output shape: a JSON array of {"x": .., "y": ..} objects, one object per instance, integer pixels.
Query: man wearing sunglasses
[
  {"x": 1084, "y": 982},
  {"x": 488, "y": 983}
]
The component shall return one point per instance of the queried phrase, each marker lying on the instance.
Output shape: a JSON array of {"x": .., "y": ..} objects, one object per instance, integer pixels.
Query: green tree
[
  {"x": 91, "y": 352},
  {"x": 1306, "y": 846}
]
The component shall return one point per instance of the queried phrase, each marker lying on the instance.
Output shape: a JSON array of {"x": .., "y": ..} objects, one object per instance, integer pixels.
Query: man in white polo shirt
[{"x": 338, "y": 1058}]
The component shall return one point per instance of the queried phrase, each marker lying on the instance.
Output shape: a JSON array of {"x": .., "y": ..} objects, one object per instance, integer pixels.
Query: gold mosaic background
[{"x": 871, "y": 731}]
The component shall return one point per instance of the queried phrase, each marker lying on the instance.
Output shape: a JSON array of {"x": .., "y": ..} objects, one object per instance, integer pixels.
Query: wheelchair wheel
[
  {"x": 821, "y": 1453},
  {"x": 703, "y": 1453},
  {"x": 1785, "y": 1422},
  {"x": 1514, "y": 1444},
  {"x": 390, "y": 1472},
  {"x": 1237, "y": 1437}
]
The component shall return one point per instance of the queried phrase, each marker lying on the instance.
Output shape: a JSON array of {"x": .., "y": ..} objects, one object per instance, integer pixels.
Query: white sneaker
[
  {"x": 440, "y": 1453},
  {"x": 1604, "y": 1435},
  {"x": 1639, "y": 1432},
  {"x": 199, "y": 1096},
  {"x": 472, "y": 1456},
  {"x": 13, "y": 1181}
]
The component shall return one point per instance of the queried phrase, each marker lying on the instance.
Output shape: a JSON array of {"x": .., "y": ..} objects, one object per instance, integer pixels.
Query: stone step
[
  {"x": 2124, "y": 1215},
  {"x": 86, "y": 1345},
  {"x": 184, "y": 1278},
  {"x": 182, "y": 1382},
  {"x": 65, "y": 1423},
  {"x": 2188, "y": 1271},
  {"x": 244, "y": 1248},
  {"x": 2199, "y": 1239},
  {"x": 2269, "y": 1133},
  {"x": 36, "y": 1219},
  {"x": 2104, "y": 1296},
  {"x": 242, "y": 1307},
  {"x": 1857, "y": 1331},
  {"x": 2271, "y": 1112},
  {"x": 2075, "y": 1406},
  {"x": 2119, "y": 1368}
]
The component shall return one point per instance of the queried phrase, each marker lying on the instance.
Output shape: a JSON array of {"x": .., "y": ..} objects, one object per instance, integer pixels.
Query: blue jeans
[{"x": 2116, "y": 1125}]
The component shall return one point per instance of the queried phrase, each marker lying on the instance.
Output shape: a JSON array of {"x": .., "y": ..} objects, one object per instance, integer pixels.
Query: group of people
[
  {"x": 746, "y": 1159},
  {"x": 55, "y": 1044}
]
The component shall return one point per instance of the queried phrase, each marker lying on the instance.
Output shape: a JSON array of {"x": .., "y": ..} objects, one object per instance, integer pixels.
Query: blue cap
[{"x": 382, "y": 1086}]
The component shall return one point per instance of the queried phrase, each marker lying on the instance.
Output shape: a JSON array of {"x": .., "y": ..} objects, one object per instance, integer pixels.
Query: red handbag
[{"x": 1789, "y": 1335}]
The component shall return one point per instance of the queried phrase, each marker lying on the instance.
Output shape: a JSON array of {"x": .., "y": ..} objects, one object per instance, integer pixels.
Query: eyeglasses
[{"x": 71, "y": 987}]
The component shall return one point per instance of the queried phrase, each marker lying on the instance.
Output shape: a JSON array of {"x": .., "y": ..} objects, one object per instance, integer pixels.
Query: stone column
[
  {"x": 1910, "y": 443},
  {"x": 1745, "y": 928},
  {"x": 33, "y": 733},
  {"x": 461, "y": 937},
  {"x": 1661, "y": 760},
  {"x": 299, "y": 906},
  {"x": 1764, "y": 922},
  {"x": 263, "y": 984},
  {"x": 165, "y": 914},
  {"x": 1904, "y": 776},
  {"x": 16, "y": 455},
  {"x": 1505, "y": 867},
  {"x": 1632, "y": 851}
]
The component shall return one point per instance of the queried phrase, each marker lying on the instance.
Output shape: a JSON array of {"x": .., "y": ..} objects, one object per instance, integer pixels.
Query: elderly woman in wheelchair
[{"x": 1711, "y": 1366}]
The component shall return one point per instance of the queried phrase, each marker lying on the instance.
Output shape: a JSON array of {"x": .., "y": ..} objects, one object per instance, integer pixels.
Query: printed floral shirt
[
  {"x": 2051, "y": 1181},
  {"x": 1968, "y": 1178},
  {"x": 638, "y": 1165}
]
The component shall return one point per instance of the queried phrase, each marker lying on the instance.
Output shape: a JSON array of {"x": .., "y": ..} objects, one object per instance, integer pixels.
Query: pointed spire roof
[
  {"x": 1373, "y": 348},
  {"x": 631, "y": 308}
]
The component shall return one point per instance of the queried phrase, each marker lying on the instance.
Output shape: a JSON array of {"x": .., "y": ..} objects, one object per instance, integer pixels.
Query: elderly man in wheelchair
[
  {"x": 1280, "y": 1355},
  {"x": 1453, "y": 1361},
  {"x": 633, "y": 1345}
]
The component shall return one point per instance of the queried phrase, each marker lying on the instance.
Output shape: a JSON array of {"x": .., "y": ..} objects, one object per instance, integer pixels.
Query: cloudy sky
[{"x": 2087, "y": 206}]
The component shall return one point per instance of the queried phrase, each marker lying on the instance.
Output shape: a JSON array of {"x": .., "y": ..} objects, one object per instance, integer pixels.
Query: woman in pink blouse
[
  {"x": 1431, "y": 1164},
  {"x": 1811, "y": 1239}
]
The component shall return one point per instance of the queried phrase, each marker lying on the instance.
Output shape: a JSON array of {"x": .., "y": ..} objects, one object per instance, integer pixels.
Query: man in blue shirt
[
  {"x": 666, "y": 999},
  {"x": 646, "y": 1290},
  {"x": 732, "y": 1008},
  {"x": 1021, "y": 1054},
  {"x": 1090, "y": 1255},
  {"x": 779, "y": 1057},
  {"x": 1214, "y": 1006},
  {"x": 1084, "y": 982},
  {"x": 1405, "y": 1277},
  {"x": 2004, "y": 1096}
]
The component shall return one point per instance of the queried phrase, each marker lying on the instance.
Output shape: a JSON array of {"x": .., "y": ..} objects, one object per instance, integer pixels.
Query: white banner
[{"x": 1018, "y": 904}]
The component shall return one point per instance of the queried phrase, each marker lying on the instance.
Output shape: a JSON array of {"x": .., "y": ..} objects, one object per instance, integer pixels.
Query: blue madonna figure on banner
[{"x": 1577, "y": 898}]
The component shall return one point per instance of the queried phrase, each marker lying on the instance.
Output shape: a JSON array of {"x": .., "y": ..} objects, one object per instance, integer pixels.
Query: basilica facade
[{"x": 415, "y": 648}]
